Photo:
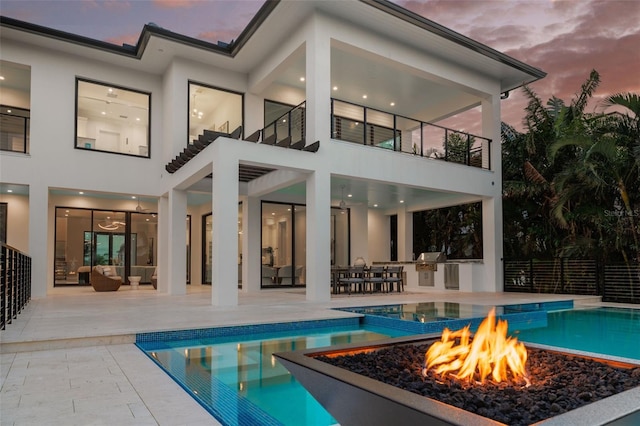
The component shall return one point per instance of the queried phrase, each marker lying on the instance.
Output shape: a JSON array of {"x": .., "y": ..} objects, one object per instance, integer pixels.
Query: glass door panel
[{"x": 300, "y": 245}]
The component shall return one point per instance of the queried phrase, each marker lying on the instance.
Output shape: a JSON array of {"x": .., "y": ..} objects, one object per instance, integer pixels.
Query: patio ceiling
[{"x": 355, "y": 73}]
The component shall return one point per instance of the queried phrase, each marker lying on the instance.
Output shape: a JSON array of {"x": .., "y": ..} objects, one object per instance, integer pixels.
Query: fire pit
[{"x": 391, "y": 381}]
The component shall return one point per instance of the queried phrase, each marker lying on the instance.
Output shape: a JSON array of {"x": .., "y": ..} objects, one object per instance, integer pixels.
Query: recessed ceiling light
[
  {"x": 301, "y": 78},
  {"x": 81, "y": 193},
  {"x": 103, "y": 113},
  {"x": 110, "y": 90},
  {"x": 9, "y": 190},
  {"x": 273, "y": 214},
  {"x": 335, "y": 88},
  {"x": 1, "y": 77},
  {"x": 147, "y": 220},
  {"x": 375, "y": 205},
  {"x": 364, "y": 96},
  {"x": 66, "y": 215},
  {"x": 8, "y": 111},
  {"x": 401, "y": 201},
  {"x": 392, "y": 104},
  {"x": 66, "y": 211},
  {"x": 349, "y": 195},
  {"x": 137, "y": 118},
  {"x": 133, "y": 197}
]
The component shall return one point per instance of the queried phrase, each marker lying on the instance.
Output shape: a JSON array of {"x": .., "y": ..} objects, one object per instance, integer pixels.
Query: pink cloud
[
  {"x": 215, "y": 36},
  {"x": 119, "y": 40},
  {"x": 176, "y": 4}
]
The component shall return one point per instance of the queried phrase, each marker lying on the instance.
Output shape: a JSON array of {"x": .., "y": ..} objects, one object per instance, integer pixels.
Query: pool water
[
  {"x": 608, "y": 331},
  {"x": 238, "y": 380}
]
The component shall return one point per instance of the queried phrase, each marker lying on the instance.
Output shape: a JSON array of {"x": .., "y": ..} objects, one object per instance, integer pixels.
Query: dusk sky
[{"x": 564, "y": 38}]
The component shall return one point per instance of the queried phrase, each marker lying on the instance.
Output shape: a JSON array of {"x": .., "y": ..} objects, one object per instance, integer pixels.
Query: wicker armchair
[{"x": 102, "y": 282}]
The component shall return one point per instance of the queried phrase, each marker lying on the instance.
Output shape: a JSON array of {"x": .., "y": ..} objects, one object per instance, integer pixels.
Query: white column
[
  {"x": 41, "y": 262},
  {"x": 163, "y": 244},
  {"x": 492, "y": 207},
  {"x": 319, "y": 236},
  {"x": 254, "y": 113},
  {"x": 251, "y": 245},
  {"x": 177, "y": 242},
  {"x": 318, "y": 91},
  {"x": 405, "y": 234},
  {"x": 224, "y": 279}
]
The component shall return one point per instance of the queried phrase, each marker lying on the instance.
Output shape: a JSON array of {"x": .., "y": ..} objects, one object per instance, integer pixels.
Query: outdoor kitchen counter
[{"x": 461, "y": 274}]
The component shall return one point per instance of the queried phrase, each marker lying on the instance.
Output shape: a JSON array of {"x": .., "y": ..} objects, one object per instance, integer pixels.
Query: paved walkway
[{"x": 69, "y": 358}]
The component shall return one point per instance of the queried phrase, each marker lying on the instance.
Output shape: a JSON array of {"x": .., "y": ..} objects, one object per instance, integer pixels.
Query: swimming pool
[
  {"x": 234, "y": 376},
  {"x": 608, "y": 331}
]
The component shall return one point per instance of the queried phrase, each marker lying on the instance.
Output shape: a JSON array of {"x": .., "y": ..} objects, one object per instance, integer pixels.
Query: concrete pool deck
[{"x": 69, "y": 358}]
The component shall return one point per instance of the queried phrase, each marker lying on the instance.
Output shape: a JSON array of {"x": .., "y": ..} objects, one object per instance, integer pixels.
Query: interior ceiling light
[
  {"x": 375, "y": 205},
  {"x": 1, "y": 77},
  {"x": 9, "y": 190},
  {"x": 392, "y": 104},
  {"x": 301, "y": 78},
  {"x": 110, "y": 226},
  {"x": 364, "y": 96},
  {"x": 335, "y": 88}
]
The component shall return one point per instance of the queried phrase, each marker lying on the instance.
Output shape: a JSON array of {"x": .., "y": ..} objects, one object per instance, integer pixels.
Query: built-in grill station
[{"x": 426, "y": 264}]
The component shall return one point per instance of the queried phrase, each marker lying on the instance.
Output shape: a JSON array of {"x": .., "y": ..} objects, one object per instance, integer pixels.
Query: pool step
[{"x": 53, "y": 344}]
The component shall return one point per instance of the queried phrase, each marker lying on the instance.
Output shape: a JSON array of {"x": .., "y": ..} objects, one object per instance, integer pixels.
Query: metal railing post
[
  {"x": 446, "y": 145},
  {"x": 364, "y": 127}
]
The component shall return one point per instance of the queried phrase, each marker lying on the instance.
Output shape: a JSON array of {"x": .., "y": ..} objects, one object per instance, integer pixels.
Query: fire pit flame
[{"x": 490, "y": 353}]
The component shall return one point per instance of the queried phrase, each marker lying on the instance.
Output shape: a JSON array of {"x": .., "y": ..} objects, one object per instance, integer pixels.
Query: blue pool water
[
  {"x": 608, "y": 331},
  {"x": 232, "y": 373},
  {"x": 237, "y": 379}
]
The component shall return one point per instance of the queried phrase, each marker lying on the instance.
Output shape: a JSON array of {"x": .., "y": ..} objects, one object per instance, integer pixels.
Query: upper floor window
[
  {"x": 112, "y": 119},
  {"x": 15, "y": 92},
  {"x": 213, "y": 109}
]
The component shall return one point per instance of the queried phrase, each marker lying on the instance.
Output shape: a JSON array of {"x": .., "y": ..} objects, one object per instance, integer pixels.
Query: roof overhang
[{"x": 157, "y": 47}]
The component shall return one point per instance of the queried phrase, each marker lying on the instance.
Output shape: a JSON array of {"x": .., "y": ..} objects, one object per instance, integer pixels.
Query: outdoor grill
[
  {"x": 428, "y": 261},
  {"x": 426, "y": 264}
]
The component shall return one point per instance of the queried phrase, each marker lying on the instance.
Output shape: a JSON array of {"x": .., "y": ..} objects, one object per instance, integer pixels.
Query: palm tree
[{"x": 596, "y": 189}]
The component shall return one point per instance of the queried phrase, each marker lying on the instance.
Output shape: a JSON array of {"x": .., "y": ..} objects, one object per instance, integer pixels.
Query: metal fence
[
  {"x": 15, "y": 283},
  {"x": 614, "y": 282}
]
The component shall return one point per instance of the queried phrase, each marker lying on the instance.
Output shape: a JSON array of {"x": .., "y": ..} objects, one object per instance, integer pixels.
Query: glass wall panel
[
  {"x": 340, "y": 237},
  {"x": 126, "y": 241},
  {"x": 213, "y": 109},
  {"x": 112, "y": 119},
  {"x": 207, "y": 248},
  {"x": 300, "y": 245},
  {"x": 276, "y": 243},
  {"x": 71, "y": 245},
  {"x": 144, "y": 245}
]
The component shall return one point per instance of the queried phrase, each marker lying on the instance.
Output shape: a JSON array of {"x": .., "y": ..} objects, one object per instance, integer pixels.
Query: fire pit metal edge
[{"x": 354, "y": 399}]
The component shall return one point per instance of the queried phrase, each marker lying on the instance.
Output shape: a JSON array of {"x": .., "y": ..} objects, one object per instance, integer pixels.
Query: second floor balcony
[{"x": 371, "y": 127}]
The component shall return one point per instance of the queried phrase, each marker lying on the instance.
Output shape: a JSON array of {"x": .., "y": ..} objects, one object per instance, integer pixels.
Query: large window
[
  {"x": 213, "y": 109},
  {"x": 207, "y": 247},
  {"x": 126, "y": 241},
  {"x": 112, "y": 119},
  {"x": 15, "y": 92}
]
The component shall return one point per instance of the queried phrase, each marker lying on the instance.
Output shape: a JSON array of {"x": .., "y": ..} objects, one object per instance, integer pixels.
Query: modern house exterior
[{"x": 249, "y": 165}]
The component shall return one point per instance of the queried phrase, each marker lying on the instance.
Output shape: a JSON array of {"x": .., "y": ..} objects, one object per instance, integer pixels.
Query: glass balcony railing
[
  {"x": 368, "y": 126},
  {"x": 14, "y": 129},
  {"x": 289, "y": 124}
]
